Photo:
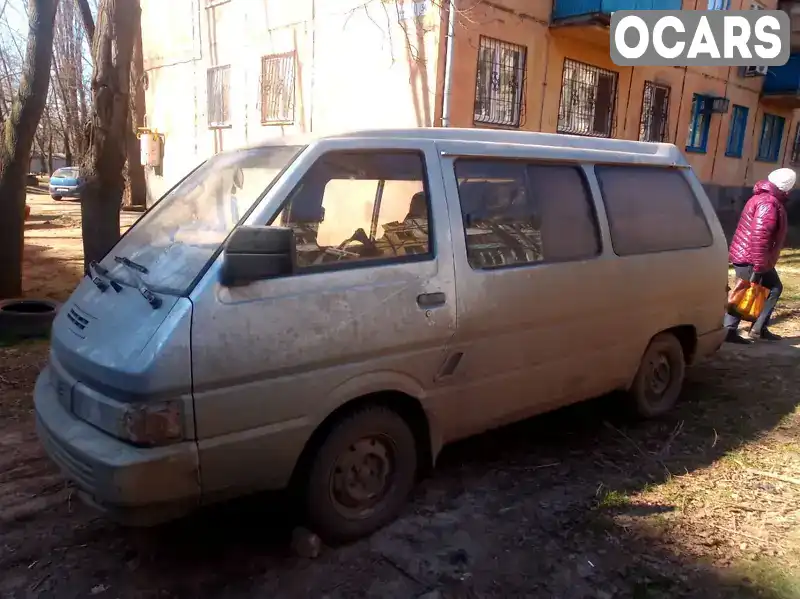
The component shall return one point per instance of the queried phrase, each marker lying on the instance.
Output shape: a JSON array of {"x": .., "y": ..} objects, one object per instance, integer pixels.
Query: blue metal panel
[
  {"x": 563, "y": 9},
  {"x": 784, "y": 79}
]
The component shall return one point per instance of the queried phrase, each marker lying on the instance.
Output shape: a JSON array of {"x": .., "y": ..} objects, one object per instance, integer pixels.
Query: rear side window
[
  {"x": 651, "y": 209},
  {"x": 518, "y": 213}
]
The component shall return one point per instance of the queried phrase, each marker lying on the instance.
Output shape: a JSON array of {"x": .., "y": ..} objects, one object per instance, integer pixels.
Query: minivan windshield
[{"x": 171, "y": 244}]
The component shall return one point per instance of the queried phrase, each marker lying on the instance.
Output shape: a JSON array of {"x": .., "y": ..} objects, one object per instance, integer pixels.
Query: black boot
[
  {"x": 764, "y": 335},
  {"x": 733, "y": 336}
]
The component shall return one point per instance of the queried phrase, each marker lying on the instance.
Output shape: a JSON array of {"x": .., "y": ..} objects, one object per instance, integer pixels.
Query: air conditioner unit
[{"x": 755, "y": 71}]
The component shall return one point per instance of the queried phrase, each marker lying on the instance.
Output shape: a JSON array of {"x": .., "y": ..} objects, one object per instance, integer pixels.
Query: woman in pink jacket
[{"x": 756, "y": 247}]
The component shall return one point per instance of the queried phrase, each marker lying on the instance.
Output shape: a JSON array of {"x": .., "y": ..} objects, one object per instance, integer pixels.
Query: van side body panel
[
  {"x": 538, "y": 336},
  {"x": 272, "y": 360}
]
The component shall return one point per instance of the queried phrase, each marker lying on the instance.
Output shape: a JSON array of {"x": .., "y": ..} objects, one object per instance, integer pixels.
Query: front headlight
[
  {"x": 147, "y": 424},
  {"x": 150, "y": 424}
]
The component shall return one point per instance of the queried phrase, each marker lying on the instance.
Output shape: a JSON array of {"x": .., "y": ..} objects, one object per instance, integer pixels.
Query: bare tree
[
  {"x": 68, "y": 78},
  {"x": 18, "y": 134},
  {"x": 109, "y": 123}
]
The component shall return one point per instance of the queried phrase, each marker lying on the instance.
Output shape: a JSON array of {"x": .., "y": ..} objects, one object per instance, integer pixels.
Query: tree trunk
[
  {"x": 101, "y": 200},
  {"x": 136, "y": 179},
  {"x": 67, "y": 150},
  {"x": 38, "y": 141},
  {"x": 50, "y": 154},
  {"x": 15, "y": 149}
]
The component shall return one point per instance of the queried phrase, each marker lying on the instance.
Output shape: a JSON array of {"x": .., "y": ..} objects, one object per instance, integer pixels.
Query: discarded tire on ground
[{"x": 26, "y": 318}]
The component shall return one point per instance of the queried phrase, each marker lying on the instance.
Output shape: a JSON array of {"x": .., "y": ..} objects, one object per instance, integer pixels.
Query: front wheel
[
  {"x": 56, "y": 198},
  {"x": 361, "y": 475},
  {"x": 659, "y": 380}
]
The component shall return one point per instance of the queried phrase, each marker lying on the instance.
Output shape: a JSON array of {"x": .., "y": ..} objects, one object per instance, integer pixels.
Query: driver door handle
[{"x": 431, "y": 300}]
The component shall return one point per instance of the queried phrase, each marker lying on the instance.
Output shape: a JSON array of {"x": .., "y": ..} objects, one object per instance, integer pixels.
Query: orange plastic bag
[{"x": 747, "y": 299}]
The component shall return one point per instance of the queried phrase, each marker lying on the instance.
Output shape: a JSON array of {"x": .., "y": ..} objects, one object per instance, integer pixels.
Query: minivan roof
[{"x": 663, "y": 151}]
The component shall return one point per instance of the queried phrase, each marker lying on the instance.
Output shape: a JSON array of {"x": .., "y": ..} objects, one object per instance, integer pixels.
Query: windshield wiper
[
  {"x": 151, "y": 297},
  {"x": 100, "y": 283},
  {"x": 131, "y": 264}
]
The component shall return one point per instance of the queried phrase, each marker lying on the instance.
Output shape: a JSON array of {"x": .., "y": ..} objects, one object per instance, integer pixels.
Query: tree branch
[{"x": 86, "y": 17}]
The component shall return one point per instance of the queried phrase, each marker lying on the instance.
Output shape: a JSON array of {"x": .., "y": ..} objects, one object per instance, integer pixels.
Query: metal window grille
[
  {"x": 277, "y": 88},
  {"x": 588, "y": 100},
  {"x": 219, "y": 88},
  {"x": 796, "y": 146},
  {"x": 655, "y": 112},
  {"x": 500, "y": 83}
]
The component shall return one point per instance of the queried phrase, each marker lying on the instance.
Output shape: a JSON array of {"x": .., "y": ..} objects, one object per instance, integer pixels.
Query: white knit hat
[{"x": 783, "y": 178}]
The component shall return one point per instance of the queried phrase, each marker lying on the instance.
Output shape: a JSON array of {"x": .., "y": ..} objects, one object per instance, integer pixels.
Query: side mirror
[{"x": 257, "y": 253}]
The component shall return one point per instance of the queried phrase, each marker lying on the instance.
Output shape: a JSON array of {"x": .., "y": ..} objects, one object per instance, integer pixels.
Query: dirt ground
[
  {"x": 53, "y": 248},
  {"x": 576, "y": 504}
]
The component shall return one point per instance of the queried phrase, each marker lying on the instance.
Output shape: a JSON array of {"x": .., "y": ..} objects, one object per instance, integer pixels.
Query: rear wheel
[
  {"x": 56, "y": 198},
  {"x": 659, "y": 380},
  {"x": 361, "y": 475}
]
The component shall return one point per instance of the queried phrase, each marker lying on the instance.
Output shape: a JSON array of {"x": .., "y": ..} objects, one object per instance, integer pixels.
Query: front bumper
[
  {"x": 65, "y": 192},
  {"x": 133, "y": 485}
]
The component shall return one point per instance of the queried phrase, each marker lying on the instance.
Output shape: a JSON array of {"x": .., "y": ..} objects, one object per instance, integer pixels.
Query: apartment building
[{"x": 228, "y": 73}]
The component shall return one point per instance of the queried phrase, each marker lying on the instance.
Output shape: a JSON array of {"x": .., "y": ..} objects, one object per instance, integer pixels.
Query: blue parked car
[{"x": 66, "y": 183}]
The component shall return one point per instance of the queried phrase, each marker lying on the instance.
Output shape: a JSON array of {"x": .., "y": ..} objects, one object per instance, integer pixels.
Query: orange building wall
[{"x": 527, "y": 24}]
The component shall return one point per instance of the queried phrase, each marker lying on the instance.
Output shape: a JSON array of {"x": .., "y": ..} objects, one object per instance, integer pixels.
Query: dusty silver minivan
[{"x": 325, "y": 314}]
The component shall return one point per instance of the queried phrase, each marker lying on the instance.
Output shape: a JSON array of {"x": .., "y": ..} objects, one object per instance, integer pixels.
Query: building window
[
  {"x": 670, "y": 219},
  {"x": 588, "y": 98},
  {"x": 769, "y": 145},
  {"x": 737, "y": 131},
  {"x": 697, "y": 141},
  {"x": 719, "y": 4},
  {"x": 795, "y": 160},
  {"x": 219, "y": 89},
  {"x": 538, "y": 213},
  {"x": 357, "y": 208},
  {"x": 277, "y": 89},
  {"x": 500, "y": 83},
  {"x": 655, "y": 112}
]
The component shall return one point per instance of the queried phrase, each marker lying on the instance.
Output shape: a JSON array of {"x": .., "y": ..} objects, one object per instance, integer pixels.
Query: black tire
[
  {"x": 375, "y": 429},
  {"x": 26, "y": 319},
  {"x": 659, "y": 380},
  {"x": 56, "y": 198}
]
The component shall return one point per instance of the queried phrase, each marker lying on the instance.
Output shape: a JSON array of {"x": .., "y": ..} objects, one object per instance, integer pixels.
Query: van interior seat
[{"x": 418, "y": 207}]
